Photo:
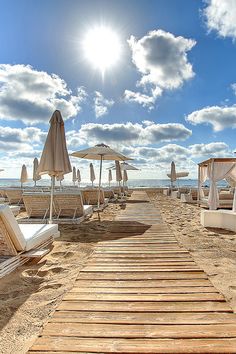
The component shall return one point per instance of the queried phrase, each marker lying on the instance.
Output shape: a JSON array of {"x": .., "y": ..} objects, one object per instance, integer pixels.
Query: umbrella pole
[
  {"x": 99, "y": 186},
  {"x": 51, "y": 200}
]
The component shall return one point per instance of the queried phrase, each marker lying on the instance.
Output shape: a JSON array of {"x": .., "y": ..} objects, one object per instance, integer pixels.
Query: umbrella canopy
[
  {"x": 78, "y": 176},
  {"x": 118, "y": 172},
  {"x": 179, "y": 174},
  {"x": 100, "y": 152},
  {"x": 92, "y": 173},
  {"x": 24, "y": 175},
  {"x": 74, "y": 176},
  {"x": 55, "y": 160},
  {"x": 125, "y": 176},
  {"x": 127, "y": 167},
  {"x": 36, "y": 176}
]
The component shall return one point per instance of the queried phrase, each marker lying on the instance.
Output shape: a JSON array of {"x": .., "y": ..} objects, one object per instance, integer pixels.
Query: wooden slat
[
  {"x": 135, "y": 346},
  {"x": 143, "y": 297},
  {"x": 196, "y": 306},
  {"x": 142, "y": 275},
  {"x": 143, "y": 283}
]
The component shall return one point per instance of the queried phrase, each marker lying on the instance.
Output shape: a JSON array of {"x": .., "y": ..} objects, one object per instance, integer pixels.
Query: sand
[{"x": 29, "y": 295}]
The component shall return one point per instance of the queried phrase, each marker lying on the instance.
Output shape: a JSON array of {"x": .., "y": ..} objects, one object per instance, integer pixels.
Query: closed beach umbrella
[
  {"x": 36, "y": 176},
  {"x": 55, "y": 160},
  {"x": 100, "y": 152},
  {"x": 78, "y": 177},
  {"x": 125, "y": 176},
  {"x": 60, "y": 179},
  {"x": 172, "y": 173},
  {"x": 92, "y": 173},
  {"x": 109, "y": 177},
  {"x": 118, "y": 172},
  {"x": 74, "y": 176},
  {"x": 24, "y": 175}
]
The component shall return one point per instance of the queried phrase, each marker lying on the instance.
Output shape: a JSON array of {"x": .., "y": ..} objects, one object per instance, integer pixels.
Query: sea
[{"x": 132, "y": 183}]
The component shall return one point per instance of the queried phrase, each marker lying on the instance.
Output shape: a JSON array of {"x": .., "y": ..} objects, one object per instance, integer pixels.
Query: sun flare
[{"x": 102, "y": 48}]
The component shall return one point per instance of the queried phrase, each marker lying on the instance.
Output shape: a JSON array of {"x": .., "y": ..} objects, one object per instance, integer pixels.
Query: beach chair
[
  {"x": 37, "y": 205},
  {"x": 90, "y": 197},
  {"x": 20, "y": 243},
  {"x": 70, "y": 205},
  {"x": 14, "y": 196}
]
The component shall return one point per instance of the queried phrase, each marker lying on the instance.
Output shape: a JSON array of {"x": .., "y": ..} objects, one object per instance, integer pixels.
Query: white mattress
[
  {"x": 34, "y": 234},
  {"x": 88, "y": 209}
]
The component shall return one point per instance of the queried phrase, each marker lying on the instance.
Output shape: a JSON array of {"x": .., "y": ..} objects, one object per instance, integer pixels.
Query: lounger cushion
[
  {"x": 35, "y": 234},
  {"x": 12, "y": 227},
  {"x": 88, "y": 209}
]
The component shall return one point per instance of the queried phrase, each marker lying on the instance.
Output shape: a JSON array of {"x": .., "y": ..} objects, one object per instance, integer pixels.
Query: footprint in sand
[{"x": 50, "y": 287}]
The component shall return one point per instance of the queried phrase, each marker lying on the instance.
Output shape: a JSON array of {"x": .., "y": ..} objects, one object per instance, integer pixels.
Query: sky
[{"x": 155, "y": 80}]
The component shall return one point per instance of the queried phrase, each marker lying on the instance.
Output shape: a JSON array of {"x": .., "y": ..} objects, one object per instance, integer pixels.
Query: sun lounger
[
  {"x": 225, "y": 200},
  {"x": 37, "y": 205},
  {"x": 90, "y": 197},
  {"x": 14, "y": 196},
  {"x": 71, "y": 206},
  {"x": 20, "y": 243}
]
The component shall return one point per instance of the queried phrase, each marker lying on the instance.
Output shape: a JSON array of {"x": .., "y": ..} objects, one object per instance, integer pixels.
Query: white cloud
[
  {"x": 101, "y": 104},
  {"x": 143, "y": 99},
  {"x": 216, "y": 149},
  {"x": 219, "y": 117},
  {"x": 131, "y": 133},
  {"x": 220, "y": 16},
  {"x": 32, "y": 96}
]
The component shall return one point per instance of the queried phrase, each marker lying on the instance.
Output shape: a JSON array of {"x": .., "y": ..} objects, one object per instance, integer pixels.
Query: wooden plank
[
  {"x": 142, "y": 275},
  {"x": 143, "y": 317},
  {"x": 143, "y": 283},
  {"x": 139, "y": 264},
  {"x": 147, "y": 290},
  {"x": 141, "y": 261},
  {"x": 140, "y": 331},
  {"x": 138, "y": 255},
  {"x": 75, "y": 296},
  {"x": 137, "y": 268},
  {"x": 196, "y": 306},
  {"x": 135, "y": 346},
  {"x": 143, "y": 253}
]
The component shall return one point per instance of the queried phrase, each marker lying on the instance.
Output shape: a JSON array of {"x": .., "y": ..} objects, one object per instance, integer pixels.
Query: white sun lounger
[{"x": 20, "y": 243}]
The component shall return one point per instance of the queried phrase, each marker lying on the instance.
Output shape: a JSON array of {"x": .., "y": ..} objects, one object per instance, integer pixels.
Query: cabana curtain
[{"x": 216, "y": 171}]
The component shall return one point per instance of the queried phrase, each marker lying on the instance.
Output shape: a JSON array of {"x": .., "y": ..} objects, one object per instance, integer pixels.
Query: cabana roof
[{"x": 218, "y": 159}]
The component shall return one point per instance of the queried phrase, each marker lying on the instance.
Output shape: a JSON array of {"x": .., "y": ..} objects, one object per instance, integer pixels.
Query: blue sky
[{"x": 170, "y": 96}]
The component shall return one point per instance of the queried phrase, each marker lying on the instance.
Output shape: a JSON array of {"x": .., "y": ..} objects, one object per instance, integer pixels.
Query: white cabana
[
  {"x": 23, "y": 175},
  {"x": 216, "y": 169},
  {"x": 55, "y": 160},
  {"x": 92, "y": 173},
  {"x": 36, "y": 176}
]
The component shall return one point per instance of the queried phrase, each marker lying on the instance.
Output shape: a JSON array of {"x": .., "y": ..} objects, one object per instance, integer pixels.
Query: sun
[{"x": 102, "y": 48}]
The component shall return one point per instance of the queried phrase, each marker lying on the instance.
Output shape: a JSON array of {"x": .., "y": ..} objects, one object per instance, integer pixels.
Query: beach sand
[{"x": 29, "y": 295}]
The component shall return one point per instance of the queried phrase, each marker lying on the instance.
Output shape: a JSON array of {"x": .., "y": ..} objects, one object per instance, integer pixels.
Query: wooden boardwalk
[{"x": 140, "y": 292}]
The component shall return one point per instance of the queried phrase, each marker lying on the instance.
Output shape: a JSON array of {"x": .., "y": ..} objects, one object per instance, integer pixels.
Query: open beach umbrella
[
  {"x": 172, "y": 173},
  {"x": 109, "y": 177},
  {"x": 24, "y": 175},
  {"x": 127, "y": 167},
  {"x": 92, "y": 173},
  {"x": 36, "y": 176},
  {"x": 78, "y": 177},
  {"x": 74, "y": 176},
  {"x": 100, "y": 152},
  {"x": 54, "y": 160}
]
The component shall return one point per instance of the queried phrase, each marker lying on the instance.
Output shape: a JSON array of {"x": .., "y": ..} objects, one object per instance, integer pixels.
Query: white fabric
[
  {"x": 12, "y": 227},
  {"x": 88, "y": 209},
  {"x": 203, "y": 178},
  {"x": 216, "y": 172},
  {"x": 34, "y": 234}
]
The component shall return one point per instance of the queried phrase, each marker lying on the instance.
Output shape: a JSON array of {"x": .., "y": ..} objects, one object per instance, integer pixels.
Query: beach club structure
[{"x": 140, "y": 290}]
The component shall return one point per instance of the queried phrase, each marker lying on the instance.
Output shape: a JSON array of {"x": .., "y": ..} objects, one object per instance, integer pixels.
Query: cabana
[{"x": 214, "y": 170}]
